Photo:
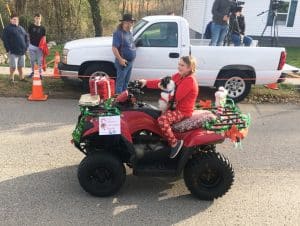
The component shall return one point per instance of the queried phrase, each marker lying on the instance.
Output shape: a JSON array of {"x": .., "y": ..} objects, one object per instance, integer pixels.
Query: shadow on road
[{"x": 55, "y": 197}]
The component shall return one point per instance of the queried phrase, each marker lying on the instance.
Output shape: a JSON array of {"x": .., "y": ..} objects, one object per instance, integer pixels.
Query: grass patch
[
  {"x": 49, "y": 58},
  {"x": 55, "y": 88},
  {"x": 293, "y": 56},
  {"x": 286, "y": 94}
]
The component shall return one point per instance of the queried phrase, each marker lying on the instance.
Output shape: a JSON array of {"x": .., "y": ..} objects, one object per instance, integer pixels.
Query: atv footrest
[
  {"x": 155, "y": 173},
  {"x": 156, "y": 170}
]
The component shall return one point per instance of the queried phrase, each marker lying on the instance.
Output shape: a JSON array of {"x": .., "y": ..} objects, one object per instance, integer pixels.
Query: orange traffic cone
[
  {"x": 37, "y": 90},
  {"x": 36, "y": 67},
  {"x": 55, "y": 68},
  {"x": 272, "y": 86}
]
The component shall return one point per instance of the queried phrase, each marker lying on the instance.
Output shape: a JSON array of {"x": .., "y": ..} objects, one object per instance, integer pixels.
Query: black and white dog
[{"x": 167, "y": 86}]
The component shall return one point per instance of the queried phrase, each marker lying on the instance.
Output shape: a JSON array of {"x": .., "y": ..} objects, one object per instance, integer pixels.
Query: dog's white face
[
  {"x": 171, "y": 85},
  {"x": 167, "y": 84}
]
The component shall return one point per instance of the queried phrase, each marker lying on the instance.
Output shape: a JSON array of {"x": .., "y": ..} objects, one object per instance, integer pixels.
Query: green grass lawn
[
  {"x": 52, "y": 51},
  {"x": 293, "y": 56},
  {"x": 55, "y": 88}
]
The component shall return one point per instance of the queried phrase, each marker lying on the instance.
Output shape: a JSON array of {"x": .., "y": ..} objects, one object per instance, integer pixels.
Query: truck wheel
[
  {"x": 208, "y": 175},
  {"x": 96, "y": 69},
  {"x": 101, "y": 174},
  {"x": 235, "y": 83}
]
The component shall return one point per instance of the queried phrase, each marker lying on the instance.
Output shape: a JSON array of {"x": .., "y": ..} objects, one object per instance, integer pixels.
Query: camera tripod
[
  {"x": 274, "y": 26},
  {"x": 227, "y": 40}
]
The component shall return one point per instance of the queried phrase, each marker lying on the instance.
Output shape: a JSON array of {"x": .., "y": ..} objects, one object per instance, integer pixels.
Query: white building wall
[
  {"x": 256, "y": 24},
  {"x": 198, "y": 14}
]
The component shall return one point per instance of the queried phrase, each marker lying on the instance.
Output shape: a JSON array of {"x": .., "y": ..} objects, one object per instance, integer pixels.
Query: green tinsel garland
[
  {"x": 105, "y": 109},
  {"x": 222, "y": 122}
]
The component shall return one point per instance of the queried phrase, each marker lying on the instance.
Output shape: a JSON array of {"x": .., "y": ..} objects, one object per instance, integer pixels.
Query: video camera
[
  {"x": 236, "y": 5},
  {"x": 276, "y": 4}
]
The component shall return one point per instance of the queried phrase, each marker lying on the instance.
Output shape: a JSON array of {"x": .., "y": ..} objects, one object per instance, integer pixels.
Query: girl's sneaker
[{"x": 175, "y": 150}]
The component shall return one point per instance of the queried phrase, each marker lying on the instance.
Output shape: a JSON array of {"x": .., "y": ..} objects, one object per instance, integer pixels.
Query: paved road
[{"x": 38, "y": 184}]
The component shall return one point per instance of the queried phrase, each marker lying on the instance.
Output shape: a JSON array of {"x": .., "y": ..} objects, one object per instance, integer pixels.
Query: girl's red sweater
[{"x": 186, "y": 92}]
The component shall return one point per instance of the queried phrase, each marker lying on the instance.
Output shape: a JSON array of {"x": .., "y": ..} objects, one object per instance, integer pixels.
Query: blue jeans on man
[
  {"x": 35, "y": 54},
  {"x": 218, "y": 34},
  {"x": 236, "y": 40},
  {"x": 123, "y": 76}
]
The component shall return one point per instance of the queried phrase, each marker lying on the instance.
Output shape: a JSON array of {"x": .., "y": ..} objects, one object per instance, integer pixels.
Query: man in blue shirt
[{"x": 124, "y": 49}]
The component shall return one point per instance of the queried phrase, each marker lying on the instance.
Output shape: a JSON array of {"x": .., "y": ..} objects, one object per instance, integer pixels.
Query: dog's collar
[{"x": 165, "y": 91}]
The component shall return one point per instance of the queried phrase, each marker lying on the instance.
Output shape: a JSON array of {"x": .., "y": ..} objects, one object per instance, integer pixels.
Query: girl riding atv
[{"x": 186, "y": 93}]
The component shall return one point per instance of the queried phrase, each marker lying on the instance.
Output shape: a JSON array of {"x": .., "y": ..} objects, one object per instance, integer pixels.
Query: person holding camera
[
  {"x": 124, "y": 49},
  {"x": 237, "y": 28},
  {"x": 219, "y": 26}
]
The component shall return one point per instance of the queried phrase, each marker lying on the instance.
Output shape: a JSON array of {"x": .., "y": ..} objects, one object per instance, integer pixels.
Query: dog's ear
[
  {"x": 164, "y": 82},
  {"x": 168, "y": 79}
]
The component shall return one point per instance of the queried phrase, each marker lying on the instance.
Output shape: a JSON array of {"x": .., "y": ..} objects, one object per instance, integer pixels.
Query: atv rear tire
[
  {"x": 101, "y": 174},
  {"x": 208, "y": 175}
]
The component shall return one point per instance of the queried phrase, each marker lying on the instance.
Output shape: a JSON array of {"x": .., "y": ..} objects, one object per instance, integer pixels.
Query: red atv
[{"x": 207, "y": 173}]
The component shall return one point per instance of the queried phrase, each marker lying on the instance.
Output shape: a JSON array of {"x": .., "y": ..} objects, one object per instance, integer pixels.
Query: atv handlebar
[{"x": 135, "y": 87}]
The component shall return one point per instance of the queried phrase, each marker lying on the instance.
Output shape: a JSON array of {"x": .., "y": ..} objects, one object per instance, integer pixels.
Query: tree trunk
[
  {"x": 20, "y": 6},
  {"x": 97, "y": 20},
  {"x": 124, "y": 5}
]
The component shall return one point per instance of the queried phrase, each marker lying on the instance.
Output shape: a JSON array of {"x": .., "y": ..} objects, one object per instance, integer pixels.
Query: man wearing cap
[
  {"x": 237, "y": 28},
  {"x": 124, "y": 50}
]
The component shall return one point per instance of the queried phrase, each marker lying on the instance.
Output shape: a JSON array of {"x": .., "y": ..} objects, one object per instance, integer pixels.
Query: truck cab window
[
  {"x": 164, "y": 34},
  {"x": 138, "y": 26}
]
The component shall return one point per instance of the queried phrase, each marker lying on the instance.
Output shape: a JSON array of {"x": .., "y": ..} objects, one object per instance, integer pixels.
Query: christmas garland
[
  {"x": 229, "y": 121},
  {"x": 105, "y": 109}
]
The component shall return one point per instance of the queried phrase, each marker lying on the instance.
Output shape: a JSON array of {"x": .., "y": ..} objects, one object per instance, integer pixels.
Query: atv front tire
[
  {"x": 101, "y": 174},
  {"x": 208, "y": 175}
]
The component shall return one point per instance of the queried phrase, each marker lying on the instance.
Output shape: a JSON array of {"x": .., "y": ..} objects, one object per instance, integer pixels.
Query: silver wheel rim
[
  {"x": 99, "y": 73},
  {"x": 235, "y": 86}
]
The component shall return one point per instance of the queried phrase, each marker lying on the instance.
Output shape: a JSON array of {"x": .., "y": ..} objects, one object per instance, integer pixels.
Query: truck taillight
[
  {"x": 65, "y": 56},
  {"x": 282, "y": 60}
]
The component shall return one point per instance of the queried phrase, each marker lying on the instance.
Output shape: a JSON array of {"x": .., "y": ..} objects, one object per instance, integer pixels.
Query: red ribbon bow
[
  {"x": 234, "y": 134},
  {"x": 205, "y": 103}
]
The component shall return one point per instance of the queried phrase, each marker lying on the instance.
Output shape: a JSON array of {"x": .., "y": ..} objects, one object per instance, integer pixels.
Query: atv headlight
[{"x": 65, "y": 56}]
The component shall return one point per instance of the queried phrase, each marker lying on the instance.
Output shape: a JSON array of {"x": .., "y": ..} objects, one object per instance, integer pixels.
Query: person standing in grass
[
  {"x": 16, "y": 42},
  {"x": 36, "y": 33}
]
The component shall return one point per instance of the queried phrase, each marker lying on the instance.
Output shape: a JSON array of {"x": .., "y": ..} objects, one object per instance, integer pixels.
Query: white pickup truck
[{"x": 160, "y": 41}]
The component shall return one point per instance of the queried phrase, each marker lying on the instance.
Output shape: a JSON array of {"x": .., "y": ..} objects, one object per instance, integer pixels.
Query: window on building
[
  {"x": 286, "y": 12},
  {"x": 283, "y": 12}
]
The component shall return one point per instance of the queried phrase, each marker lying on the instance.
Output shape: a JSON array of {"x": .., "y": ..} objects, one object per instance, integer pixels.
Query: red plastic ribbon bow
[{"x": 205, "y": 103}]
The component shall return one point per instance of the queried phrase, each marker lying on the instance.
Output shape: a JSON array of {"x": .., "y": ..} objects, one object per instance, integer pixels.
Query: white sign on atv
[{"x": 109, "y": 125}]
